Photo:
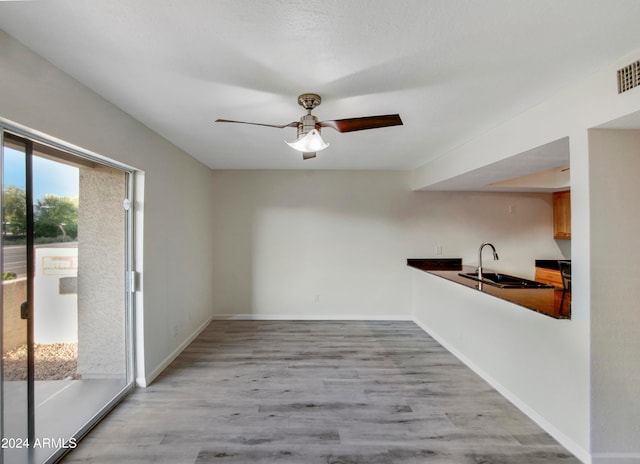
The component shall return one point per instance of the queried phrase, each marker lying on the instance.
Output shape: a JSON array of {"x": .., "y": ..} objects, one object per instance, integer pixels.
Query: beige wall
[
  {"x": 14, "y": 329},
  {"x": 101, "y": 280}
]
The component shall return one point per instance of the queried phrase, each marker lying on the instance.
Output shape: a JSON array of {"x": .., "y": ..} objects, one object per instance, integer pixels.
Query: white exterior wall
[{"x": 56, "y": 314}]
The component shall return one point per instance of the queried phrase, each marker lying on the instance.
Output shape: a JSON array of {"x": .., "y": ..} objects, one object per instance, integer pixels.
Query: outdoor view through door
[{"x": 66, "y": 330}]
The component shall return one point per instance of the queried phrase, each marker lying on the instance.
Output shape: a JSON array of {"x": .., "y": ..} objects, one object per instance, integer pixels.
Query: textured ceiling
[{"x": 451, "y": 68}]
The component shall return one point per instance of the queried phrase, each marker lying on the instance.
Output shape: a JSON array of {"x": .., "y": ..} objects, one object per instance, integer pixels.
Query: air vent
[{"x": 629, "y": 77}]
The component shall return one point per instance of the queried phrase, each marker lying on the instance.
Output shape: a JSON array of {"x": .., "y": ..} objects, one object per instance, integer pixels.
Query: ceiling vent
[{"x": 629, "y": 77}]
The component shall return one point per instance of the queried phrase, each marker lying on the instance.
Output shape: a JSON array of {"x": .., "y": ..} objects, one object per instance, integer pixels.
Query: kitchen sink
[{"x": 504, "y": 280}]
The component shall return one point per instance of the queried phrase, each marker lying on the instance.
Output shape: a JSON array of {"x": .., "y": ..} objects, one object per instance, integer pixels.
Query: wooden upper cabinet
[{"x": 562, "y": 215}]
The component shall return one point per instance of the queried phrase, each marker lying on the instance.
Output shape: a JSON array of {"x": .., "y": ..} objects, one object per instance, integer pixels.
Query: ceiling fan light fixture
[
  {"x": 309, "y": 140},
  {"x": 312, "y": 142}
]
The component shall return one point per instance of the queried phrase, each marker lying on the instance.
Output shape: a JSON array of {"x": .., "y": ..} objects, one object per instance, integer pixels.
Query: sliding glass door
[
  {"x": 17, "y": 328},
  {"x": 66, "y": 309}
]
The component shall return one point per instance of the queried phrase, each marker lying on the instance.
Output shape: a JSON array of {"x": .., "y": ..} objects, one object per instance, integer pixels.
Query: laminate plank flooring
[{"x": 307, "y": 392}]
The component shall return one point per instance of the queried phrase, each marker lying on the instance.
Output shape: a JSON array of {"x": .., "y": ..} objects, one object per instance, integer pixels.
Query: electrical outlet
[
  {"x": 439, "y": 250},
  {"x": 316, "y": 299}
]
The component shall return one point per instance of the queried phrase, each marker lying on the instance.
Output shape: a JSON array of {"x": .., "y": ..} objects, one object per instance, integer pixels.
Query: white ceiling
[{"x": 451, "y": 68}]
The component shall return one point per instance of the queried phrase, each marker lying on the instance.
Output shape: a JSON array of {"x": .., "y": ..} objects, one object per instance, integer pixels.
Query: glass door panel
[
  {"x": 15, "y": 326},
  {"x": 80, "y": 299},
  {"x": 65, "y": 251}
]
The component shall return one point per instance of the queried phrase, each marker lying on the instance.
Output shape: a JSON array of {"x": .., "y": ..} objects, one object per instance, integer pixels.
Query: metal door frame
[{"x": 24, "y": 134}]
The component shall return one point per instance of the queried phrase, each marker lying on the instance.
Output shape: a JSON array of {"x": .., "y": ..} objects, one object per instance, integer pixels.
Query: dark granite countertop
[
  {"x": 542, "y": 300},
  {"x": 549, "y": 263}
]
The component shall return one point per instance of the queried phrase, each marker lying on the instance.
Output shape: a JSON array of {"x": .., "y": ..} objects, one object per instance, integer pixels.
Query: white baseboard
[
  {"x": 311, "y": 317},
  {"x": 146, "y": 381},
  {"x": 563, "y": 439},
  {"x": 615, "y": 458}
]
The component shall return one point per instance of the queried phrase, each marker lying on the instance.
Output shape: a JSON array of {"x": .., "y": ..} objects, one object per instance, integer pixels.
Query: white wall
[
  {"x": 283, "y": 238},
  {"x": 518, "y": 224},
  {"x": 310, "y": 244},
  {"x": 56, "y": 314},
  {"x": 176, "y": 254},
  {"x": 614, "y": 160}
]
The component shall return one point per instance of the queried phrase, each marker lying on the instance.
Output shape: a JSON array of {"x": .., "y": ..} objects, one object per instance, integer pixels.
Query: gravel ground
[{"x": 56, "y": 361}]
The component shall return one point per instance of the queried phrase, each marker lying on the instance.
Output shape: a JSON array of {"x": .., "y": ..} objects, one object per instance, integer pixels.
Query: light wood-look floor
[{"x": 307, "y": 392}]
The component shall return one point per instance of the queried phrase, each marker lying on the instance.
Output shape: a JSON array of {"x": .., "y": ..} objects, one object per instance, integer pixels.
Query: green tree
[
  {"x": 55, "y": 216},
  {"x": 15, "y": 211}
]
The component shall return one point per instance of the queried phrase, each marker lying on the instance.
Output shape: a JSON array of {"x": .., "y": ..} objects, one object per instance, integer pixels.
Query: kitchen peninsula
[{"x": 546, "y": 301}]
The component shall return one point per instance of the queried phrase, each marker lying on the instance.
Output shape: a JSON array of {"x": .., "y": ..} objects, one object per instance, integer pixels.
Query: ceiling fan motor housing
[
  {"x": 308, "y": 122},
  {"x": 309, "y": 100}
]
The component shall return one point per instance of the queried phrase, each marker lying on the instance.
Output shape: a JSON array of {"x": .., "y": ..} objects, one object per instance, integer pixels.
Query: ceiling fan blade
[
  {"x": 291, "y": 124},
  {"x": 306, "y": 156},
  {"x": 367, "y": 122}
]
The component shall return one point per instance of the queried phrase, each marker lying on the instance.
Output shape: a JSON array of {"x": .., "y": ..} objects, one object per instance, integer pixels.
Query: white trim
[
  {"x": 615, "y": 458},
  {"x": 563, "y": 439},
  {"x": 148, "y": 379},
  {"x": 311, "y": 317},
  {"x": 46, "y": 139}
]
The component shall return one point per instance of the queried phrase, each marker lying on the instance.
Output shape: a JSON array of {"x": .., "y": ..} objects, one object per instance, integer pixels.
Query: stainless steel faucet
[{"x": 495, "y": 258}]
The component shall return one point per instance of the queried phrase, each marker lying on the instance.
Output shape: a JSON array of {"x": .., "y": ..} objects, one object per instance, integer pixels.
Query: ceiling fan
[{"x": 309, "y": 140}]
